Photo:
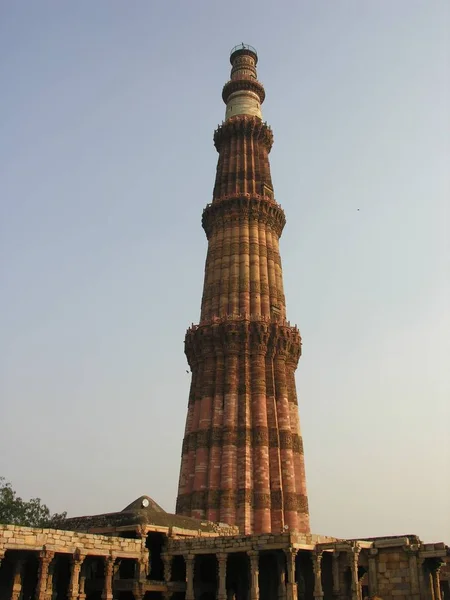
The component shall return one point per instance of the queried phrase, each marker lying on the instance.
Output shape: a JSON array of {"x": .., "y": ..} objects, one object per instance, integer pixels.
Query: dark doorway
[
  {"x": 154, "y": 543},
  {"x": 30, "y": 575},
  {"x": 205, "y": 576},
  {"x": 238, "y": 575},
  {"x": 7, "y": 574},
  {"x": 61, "y": 576},
  {"x": 327, "y": 575},
  {"x": 153, "y": 596},
  {"x": 126, "y": 596},
  {"x": 268, "y": 576},
  {"x": 304, "y": 575},
  {"x": 178, "y": 568}
]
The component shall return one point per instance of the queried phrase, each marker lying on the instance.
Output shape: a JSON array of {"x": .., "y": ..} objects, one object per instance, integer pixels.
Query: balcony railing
[{"x": 243, "y": 47}]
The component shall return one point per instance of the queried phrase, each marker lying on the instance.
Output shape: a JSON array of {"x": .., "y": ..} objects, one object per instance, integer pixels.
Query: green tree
[{"x": 31, "y": 513}]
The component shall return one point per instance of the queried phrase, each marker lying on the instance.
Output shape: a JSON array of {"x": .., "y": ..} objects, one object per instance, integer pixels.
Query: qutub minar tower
[
  {"x": 242, "y": 528},
  {"x": 242, "y": 458}
]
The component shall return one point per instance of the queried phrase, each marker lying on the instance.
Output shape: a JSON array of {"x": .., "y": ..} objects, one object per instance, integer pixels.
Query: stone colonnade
[
  {"x": 75, "y": 566},
  {"x": 351, "y": 564},
  {"x": 287, "y": 573},
  {"x": 46, "y": 572}
]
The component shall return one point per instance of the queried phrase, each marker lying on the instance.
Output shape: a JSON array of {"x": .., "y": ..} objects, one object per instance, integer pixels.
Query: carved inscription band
[
  {"x": 243, "y": 125},
  {"x": 242, "y": 437},
  {"x": 252, "y": 337},
  {"x": 216, "y": 499},
  {"x": 243, "y": 208}
]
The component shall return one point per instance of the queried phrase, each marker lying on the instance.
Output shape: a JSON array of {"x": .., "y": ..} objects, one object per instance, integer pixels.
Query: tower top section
[
  {"x": 243, "y": 94},
  {"x": 243, "y": 49}
]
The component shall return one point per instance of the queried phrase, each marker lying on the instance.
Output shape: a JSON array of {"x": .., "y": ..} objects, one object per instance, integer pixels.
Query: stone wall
[
  {"x": 243, "y": 543},
  {"x": 393, "y": 574},
  {"x": 14, "y": 537}
]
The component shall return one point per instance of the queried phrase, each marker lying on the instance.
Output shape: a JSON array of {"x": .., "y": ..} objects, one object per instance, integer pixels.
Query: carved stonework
[
  {"x": 285, "y": 440},
  {"x": 214, "y": 499},
  {"x": 276, "y": 500},
  {"x": 45, "y": 559},
  {"x": 302, "y": 504},
  {"x": 297, "y": 443},
  {"x": 260, "y": 437},
  {"x": 227, "y": 498},
  {"x": 290, "y": 501},
  {"x": 198, "y": 499},
  {"x": 244, "y": 496},
  {"x": 250, "y": 127},
  {"x": 261, "y": 500},
  {"x": 258, "y": 208}
]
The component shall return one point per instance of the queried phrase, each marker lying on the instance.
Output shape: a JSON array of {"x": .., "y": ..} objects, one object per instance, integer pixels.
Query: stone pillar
[
  {"x": 18, "y": 579},
  {"x": 435, "y": 577},
  {"x": 281, "y": 577},
  {"x": 336, "y": 575},
  {"x": 412, "y": 554},
  {"x": 291, "y": 586},
  {"x": 353, "y": 557},
  {"x": 81, "y": 587},
  {"x": 50, "y": 577},
  {"x": 142, "y": 568},
  {"x": 190, "y": 558},
  {"x": 75, "y": 568},
  {"x": 425, "y": 584},
  {"x": 317, "y": 566},
  {"x": 373, "y": 582},
  {"x": 222, "y": 568},
  {"x": 107, "y": 593},
  {"x": 167, "y": 560},
  {"x": 254, "y": 574},
  {"x": 2, "y": 555},
  {"x": 45, "y": 558}
]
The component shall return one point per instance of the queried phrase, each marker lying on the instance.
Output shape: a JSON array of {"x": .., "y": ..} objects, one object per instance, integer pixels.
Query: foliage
[{"x": 31, "y": 513}]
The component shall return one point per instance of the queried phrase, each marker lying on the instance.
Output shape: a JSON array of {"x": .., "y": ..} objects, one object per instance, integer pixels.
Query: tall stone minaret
[{"x": 242, "y": 459}]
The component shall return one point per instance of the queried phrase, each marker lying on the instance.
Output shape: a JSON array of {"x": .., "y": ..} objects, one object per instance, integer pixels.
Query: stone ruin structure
[
  {"x": 241, "y": 531},
  {"x": 145, "y": 553}
]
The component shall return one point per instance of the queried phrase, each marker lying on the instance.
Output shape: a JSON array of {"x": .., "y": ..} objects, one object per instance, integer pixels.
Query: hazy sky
[{"x": 107, "y": 113}]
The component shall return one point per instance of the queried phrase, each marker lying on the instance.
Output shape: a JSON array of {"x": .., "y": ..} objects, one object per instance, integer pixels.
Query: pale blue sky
[{"x": 106, "y": 161}]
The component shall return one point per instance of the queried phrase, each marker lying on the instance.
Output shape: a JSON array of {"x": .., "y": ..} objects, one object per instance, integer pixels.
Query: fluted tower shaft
[{"x": 242, "y": 458}]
